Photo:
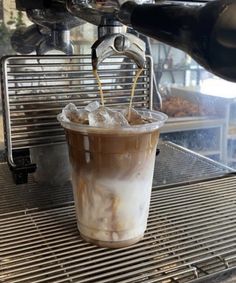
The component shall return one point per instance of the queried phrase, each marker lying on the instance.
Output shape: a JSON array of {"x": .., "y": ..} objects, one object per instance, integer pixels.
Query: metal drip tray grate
[
  {"x": 21, "y": 197},
  {"x": 191, "y": 232},
  {"x": 176, "y": 164}
]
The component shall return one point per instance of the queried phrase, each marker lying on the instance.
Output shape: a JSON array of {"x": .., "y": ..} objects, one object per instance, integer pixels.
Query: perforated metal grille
[{"x": 191, "y": 232}]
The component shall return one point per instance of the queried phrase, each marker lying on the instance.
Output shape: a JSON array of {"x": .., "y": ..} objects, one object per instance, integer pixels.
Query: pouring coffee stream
[
  {"x": 96, "y": 75},
  {"x": 132, "y": 92},
  {"x": 138, "y": 73}
]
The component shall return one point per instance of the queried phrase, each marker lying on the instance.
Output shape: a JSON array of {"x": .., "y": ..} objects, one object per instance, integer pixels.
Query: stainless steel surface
[
  {"x": 58, "y": 40},
  {"x": 53, "y": 17},
  {"x": 191, "y": 233},
  {"x": 108, "y": 28},
  {"x": 26, "y": 39},
  {"x": 36, "y": 88},
  {"x": 95, "y": 11},
  {"x": 51, "y": 29},
  {"x": 111, "y": 39},
  {"x": 54, "y": 20},
  {"x": 225, "y": 276},
  {"x": 26, "y": 196},
  {"x": 174, "y": 166},
  {"x": 114, "y": 40},
  {"x": 125, "y": 44}
]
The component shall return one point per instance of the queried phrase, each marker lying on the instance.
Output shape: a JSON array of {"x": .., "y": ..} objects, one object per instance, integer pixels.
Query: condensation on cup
[{"x": 112, "y": 172}]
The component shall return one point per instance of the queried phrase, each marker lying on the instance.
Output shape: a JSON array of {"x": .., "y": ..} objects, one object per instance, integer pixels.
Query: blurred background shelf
[
  {"x": 206, "y": 139},
  {"x": 200, "y": 106},
  {"x": 203, "y": 133}
]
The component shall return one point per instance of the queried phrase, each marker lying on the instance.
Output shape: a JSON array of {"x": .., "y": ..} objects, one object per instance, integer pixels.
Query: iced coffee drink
[{"x": 112, "y": 171}]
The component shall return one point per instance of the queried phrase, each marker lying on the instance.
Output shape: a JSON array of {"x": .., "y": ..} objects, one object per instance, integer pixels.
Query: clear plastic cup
[{"x": 112, "y": 172}]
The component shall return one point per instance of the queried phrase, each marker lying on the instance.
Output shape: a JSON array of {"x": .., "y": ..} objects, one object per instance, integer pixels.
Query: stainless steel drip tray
[
  {"x": 226, "y": 276},
  {"x": 191, "y": 230},
  {"x": 31, "y": 195},
  {"x": 174, "y": 165},
  {"x": 191, "y": 233}
]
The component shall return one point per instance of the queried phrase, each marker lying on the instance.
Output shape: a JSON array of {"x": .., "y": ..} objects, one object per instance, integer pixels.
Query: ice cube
[
  {"x": 80, "y": 117},
  {"x": 67, "y": 110},
  {"x": 134, "y": 117},
  {"x": 92, "y": 106},
  {"x": 73, "y": 114},
  {"x": 105, "y": 117}
]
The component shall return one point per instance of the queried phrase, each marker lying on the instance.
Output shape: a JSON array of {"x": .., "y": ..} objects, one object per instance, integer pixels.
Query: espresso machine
[{"x": 191, "y": 230}]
